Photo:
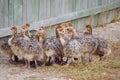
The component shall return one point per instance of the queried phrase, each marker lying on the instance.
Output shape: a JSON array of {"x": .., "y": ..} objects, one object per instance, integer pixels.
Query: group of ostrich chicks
[{"x": 66, "y": 46}]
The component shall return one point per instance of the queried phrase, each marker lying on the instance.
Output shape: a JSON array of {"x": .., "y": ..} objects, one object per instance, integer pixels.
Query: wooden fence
[{"x": 52, "y": 12}]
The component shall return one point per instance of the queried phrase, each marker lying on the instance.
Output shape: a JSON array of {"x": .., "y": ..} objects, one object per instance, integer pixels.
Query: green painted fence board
[
  {"x": 24, "y": 11},
  {"x": 29, "y": 11},
  {"x": 18, "y": 12},
  {"x": 5, "y": 13},
  {"x": 54, "y": 8},
  {"x": 11, "y": 12},
  {"x": 1, "y": 14},
  {"x": 46, "y": 12}
]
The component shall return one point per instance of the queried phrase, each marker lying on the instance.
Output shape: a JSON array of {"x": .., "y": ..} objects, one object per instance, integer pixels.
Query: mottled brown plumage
[
  {"x": 25, "y": 29},
  {"x": 103, "y": 48},
  {"x": 6, "y": 50},
  {"x": 86, "y": 44},
  {"x": 43, "y": 34},
  {"x": 53, "y": 47},
  {"x": 12, "y": 42},
  {"x": 25, "y": 48}
]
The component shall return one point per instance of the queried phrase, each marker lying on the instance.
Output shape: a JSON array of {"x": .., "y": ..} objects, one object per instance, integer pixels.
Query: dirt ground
[{"x": 105, "y": 70}]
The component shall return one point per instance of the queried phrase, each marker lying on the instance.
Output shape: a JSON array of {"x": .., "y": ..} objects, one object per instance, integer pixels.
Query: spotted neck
[
  {"x": 14, "y": 34},
  {"x": 26, "y": 37},
  {"x": 89, "y": 31}
]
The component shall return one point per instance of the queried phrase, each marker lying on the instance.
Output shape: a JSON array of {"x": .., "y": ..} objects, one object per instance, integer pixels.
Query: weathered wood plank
[
  {"x": 79, "y": 5},
  {"x": 43, "y": 9},
  {"x": 40, "y": 9},
  {"x": 24, "y": 11},
  {"x": 109, "y": 16},
  {"x": 36, "y": 10},
  {"x": 67, "y": 17},
  {"x": 53, "y": 11},
  {"x": 85, "y": 3},
  {"x": 73, "y": 5},
  {"x": 1, "y": 13},
  {"x": 69, "y": 5},
  {"x": 48, "y": 9},
  {"x": 80, "y": 26},
  {"x": 30, "y": 13},
  {"x": 11, "y": 12},
  {"x": 55, "y": 8},
  {"x": 104, "y": 2},
  {"x": 99, "y": 2},
  {"x": 5, "y": 13},
  {"x": 18, "y": 12},
  {"x": 95, "y": 22}
]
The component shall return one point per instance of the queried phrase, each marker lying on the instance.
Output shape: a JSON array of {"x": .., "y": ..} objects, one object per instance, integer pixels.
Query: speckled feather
[
  {"x": 104, "y": 47},
  {"x": 6, "y": 49},
  {"x": 54, "y": 44},
  {"x": 89, "y": 43}
]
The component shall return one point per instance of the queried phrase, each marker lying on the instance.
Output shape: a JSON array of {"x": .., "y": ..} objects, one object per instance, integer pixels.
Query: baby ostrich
[
  {"x": 43, "y": 34},
  {"x": 24, "y": 48},
  {"x": 66, "y": 26},
  {"x": 25, "y": 28},
  {"x": 36, "y": 47},
  {"x": 103, "y": 48},
  {"x": 88, "y": 43},
  {"x": 12, "y": 42},
  {"x": 6, "y": 50},
  {"x": 53, "y": 48},
  {"x": 89, "y": 29},
  {"x": 72, "y": 48}
]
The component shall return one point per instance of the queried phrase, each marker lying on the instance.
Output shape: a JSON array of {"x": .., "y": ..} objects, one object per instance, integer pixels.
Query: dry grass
[
  {"x": 104, "y": 70},
  {"x": 98, "y": 70}
]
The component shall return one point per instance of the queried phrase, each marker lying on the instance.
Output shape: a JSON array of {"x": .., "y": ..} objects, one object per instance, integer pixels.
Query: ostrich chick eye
[{"x": 67, "y": 29}]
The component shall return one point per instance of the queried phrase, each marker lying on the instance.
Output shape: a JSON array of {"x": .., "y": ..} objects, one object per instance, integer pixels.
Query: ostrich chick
[
  {"x": 53, "y": 48},
  {"x": 103, "y": 48}
]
